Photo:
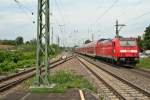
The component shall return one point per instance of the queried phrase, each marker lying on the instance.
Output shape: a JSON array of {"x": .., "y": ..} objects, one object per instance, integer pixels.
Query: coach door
[{"x": 113, "y": 48}]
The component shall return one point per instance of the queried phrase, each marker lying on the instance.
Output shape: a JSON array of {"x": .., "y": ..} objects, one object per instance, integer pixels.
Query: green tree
[
  {"x": 140, "y": 42},
  {"x": 7, "y": 42},
  {"x": 146, "y": 36},
  {"x": 33, "y": 42},
  {"x": 19, "y": 40}
]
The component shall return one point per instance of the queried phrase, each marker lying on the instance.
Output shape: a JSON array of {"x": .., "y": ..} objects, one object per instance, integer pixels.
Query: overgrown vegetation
[
  {"x": 65, "y": 80},
  {"x": 22, "y": 56},
  {"x": 144, "y": 41},
  {"x": 18, "y": 41},
  {"x": 11, "y": 61},
  {"x": 144, "y": 63}
]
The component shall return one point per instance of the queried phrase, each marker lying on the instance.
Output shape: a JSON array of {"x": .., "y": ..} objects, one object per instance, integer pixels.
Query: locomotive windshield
[{"x": 128, "y": 43}]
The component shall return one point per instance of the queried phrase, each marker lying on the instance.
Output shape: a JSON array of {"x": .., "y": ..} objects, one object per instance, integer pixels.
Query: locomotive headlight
[
  {"x": 123, "y": 51},
  {"x": 134, "y": 51}
]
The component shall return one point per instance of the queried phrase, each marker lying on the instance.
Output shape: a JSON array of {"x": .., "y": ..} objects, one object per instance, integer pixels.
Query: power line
[
  {"x": 25, "y": 10},
  {"x": 138, "y": 17},
  {"x": 60, "y": 7},
  {"x": 117, "y": 28},
  {"x": 106, "y": 11},
  {"x": 66, "y": 17},
  {"x": 142, "y": 15},
  {"x": 127, "y": 8},
  {"x": 23, "y": 7},
  {"x": 137, "y": 4},
  {"x": 60, "y": 11}
]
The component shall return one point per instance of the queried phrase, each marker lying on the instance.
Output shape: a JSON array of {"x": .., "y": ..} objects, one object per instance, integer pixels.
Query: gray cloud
[{"x": 79, "y": 15}]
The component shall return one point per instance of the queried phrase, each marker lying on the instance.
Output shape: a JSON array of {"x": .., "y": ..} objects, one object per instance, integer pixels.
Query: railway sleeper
[{"x": 123, "y": 89}]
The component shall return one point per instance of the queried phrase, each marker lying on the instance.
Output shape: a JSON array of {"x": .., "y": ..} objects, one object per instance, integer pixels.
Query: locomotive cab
[{"x": 126, "y": 50}]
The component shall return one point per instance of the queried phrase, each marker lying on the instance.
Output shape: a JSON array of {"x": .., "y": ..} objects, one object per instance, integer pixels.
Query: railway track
[
  {"x": 142, "y": 72},
  {"x": 22, "y": 72},
  {"x": 121, "y": 88},
  {"x": 13, "y": 80}
]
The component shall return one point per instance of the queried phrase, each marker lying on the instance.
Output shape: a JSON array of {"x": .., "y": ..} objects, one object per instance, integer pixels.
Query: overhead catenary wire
[
  {"x": 133, "y": 20},
  {"x": 23, "y": 7},
  {"x": 138, "y": 17},
  {"x": 99, "y": 18},
  {"x": 60, "y": 11},
  {"x": 62, "y": 6},
  {"x": 128, "y": 8},
  {"x": 64, "y": 19},
  {"x": 25, "y": 10},
  {"x": 106, "y": 11}
]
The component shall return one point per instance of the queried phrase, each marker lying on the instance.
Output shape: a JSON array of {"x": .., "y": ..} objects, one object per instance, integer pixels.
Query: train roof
[
  {"x": 91, "y": 43},
  {"x": 105, "y": 40},
  {"x": 126, "y": 38}
]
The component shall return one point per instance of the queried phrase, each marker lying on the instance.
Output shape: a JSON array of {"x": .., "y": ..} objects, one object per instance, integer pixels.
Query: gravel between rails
[
  {"x": 123, "y": 89},
  {"x": 135, "y": 78},
  {"x": 22, "y": 86},
  {"x": 144, "y": 73},
  {"x": 72, "y": 65},
  {"x": 75, "y": 66}
]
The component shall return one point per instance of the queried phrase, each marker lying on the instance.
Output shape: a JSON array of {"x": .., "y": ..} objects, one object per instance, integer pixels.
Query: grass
[
  {"x": 23, "y": 56},
  {"x": 65, "y": 80},
  {"x": 144, "y": 63}
]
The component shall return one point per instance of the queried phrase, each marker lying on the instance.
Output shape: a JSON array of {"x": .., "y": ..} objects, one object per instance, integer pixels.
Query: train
[{"x": 122, "y": 51}]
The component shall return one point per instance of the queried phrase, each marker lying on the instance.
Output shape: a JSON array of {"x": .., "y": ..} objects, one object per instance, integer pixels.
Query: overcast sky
[{"x": 75, "y": 20}]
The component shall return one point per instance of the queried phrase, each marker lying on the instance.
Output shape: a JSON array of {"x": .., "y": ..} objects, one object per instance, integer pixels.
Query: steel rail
[
  {"x": 144, "y": 73},
  {"x": 23, "y": 72},
  {"x": 121, "y": 79},
  {"x": 105, "y": 83},
  {"x": 10, "y": 84}
]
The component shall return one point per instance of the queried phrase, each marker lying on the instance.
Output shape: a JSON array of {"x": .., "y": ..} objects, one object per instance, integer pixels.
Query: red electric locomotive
[{"x": 118, "y": 50}]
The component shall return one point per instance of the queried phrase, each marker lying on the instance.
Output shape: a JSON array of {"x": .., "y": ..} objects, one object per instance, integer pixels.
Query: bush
[
  {"x": 2, "y": 66},
  {"x": 62, "y": 77},
  {"x": 2, "y": 56},
  {"x": 14, "y": 56},
  {"x": 65, "y": 80},
  {"x": 29, "y": 55},
  {"x": 8, "y": 66},
  {"x": 26, "y": 63},
  {"x": 24, "y": 56}
]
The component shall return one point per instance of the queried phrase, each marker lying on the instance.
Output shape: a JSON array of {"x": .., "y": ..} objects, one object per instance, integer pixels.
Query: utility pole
[
  {"x": 43, "y": 32},
  {"x": 58, "y": 40},
  {"x": 52, "y": 35},
  {"x": 62, "y": 27},
  {"x": 118, "y": 29},
  {"x": 92, "y": 36}
]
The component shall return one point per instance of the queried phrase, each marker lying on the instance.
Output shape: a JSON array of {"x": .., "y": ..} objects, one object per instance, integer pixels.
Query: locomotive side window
[
  {"x": 113, "y": 48},
  {"x": 128, "y": 43},
  {"x": 113, "y": 44}
]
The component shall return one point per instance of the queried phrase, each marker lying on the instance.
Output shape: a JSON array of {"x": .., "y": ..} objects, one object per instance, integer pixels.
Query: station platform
[{"x": 72, "y": 94}]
